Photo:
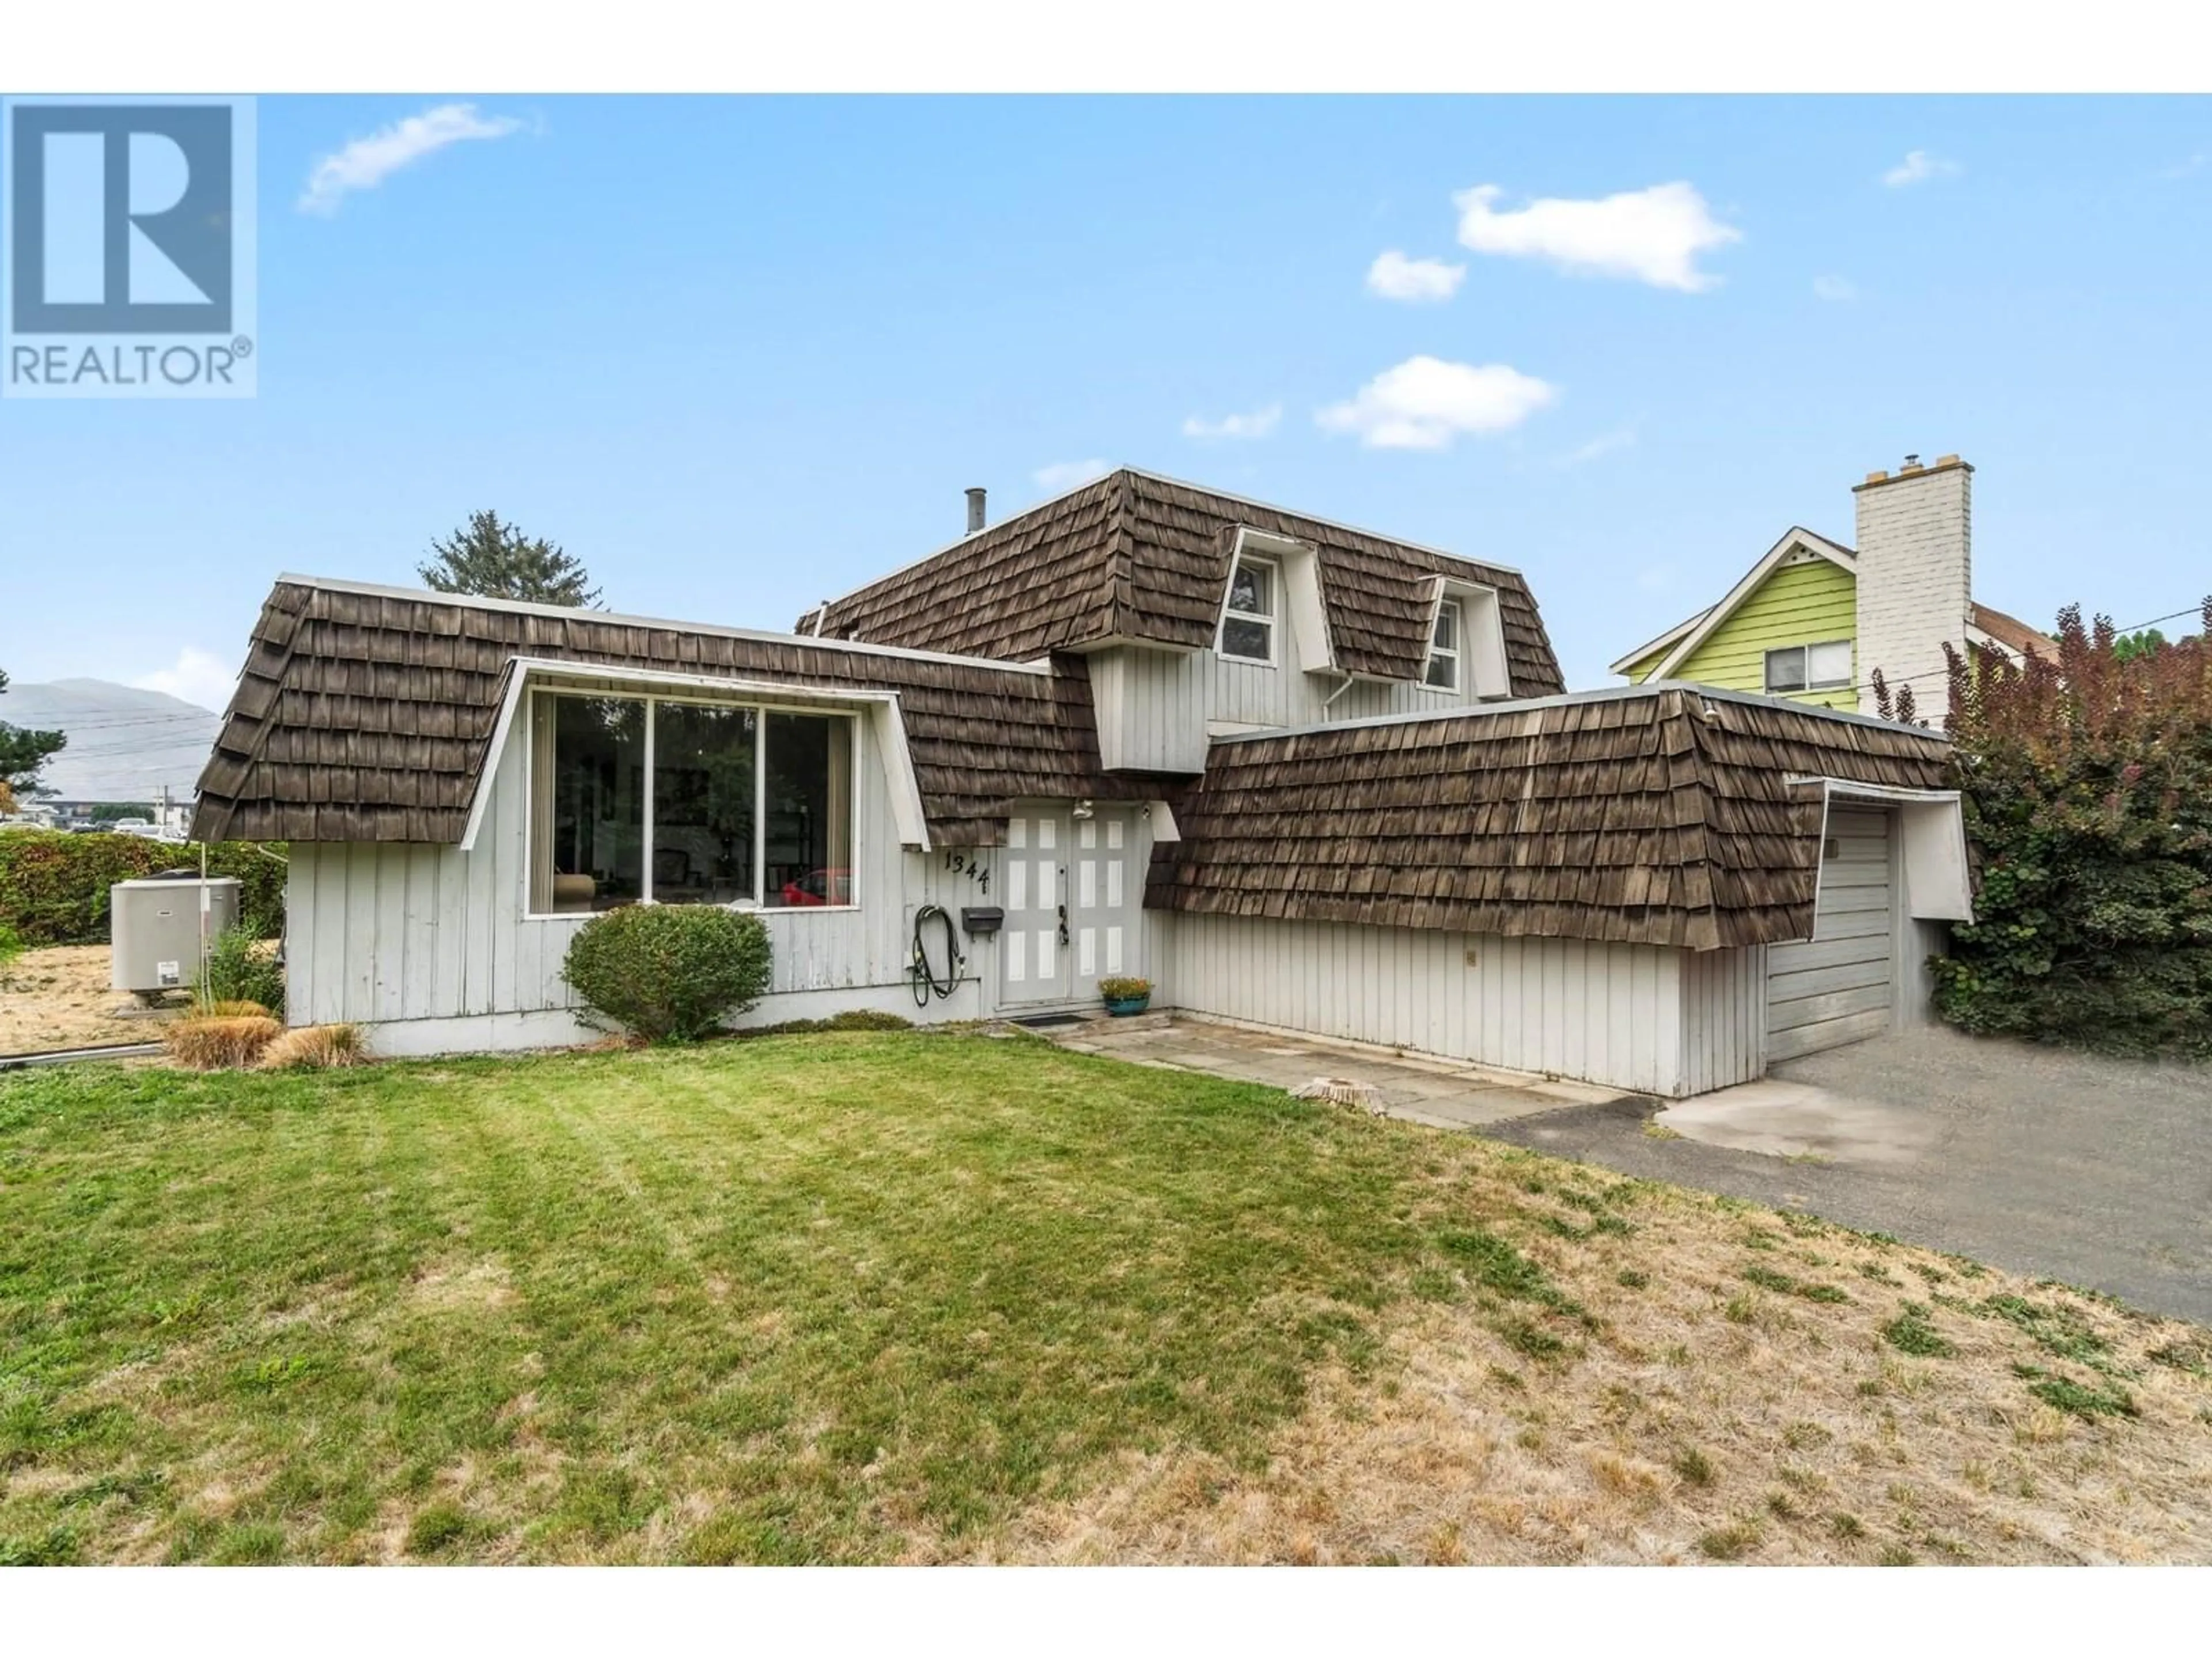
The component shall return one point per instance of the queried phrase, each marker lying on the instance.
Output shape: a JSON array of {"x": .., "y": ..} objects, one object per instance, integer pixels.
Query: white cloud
[
  {"x": 1917, "y": 168},
  {"x": 1651, "y": 235},
  {"x": 1061, "y": 475},
  {"x": 1257, "y": 424},
  {"x": 199, "y": 677},
  {"x": 1839, "y": 289},
  {"x": 1604, "y": 444},
  {"x": 1394, "y": 276},
  {"x": 368, "y": 162},
  {"x": 2183, "y": 169},
  {"x": 1425, "y": 403}
]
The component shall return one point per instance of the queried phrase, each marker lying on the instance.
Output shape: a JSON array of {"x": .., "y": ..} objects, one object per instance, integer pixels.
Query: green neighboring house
[{"x": 1813, "y": 619}]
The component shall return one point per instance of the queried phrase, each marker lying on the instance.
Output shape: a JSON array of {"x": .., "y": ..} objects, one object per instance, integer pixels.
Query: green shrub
[
  {"x": 53, "y": 885},
  {"x": 11, "y": 945},
  {"x": 853, "y": 1019},
  {"x": 2088, "y": 800},
  {"x": 669, "y": 973},
  {"x": 239, "y": 969}
]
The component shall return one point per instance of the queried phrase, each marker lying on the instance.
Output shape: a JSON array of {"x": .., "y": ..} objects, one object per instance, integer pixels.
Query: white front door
[
  {"x": 1106, "y": 890},
  {"x": 1033, "y": 939},
  {"x": 1072, "y": 890}
]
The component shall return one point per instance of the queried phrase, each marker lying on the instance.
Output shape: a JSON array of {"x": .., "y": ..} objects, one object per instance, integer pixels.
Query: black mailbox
[{"x": 978, "y": 920}]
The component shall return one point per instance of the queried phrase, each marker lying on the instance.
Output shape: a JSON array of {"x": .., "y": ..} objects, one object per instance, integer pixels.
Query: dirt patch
[
  {"x": 472, "y": 1288},
  {"x": 59, "y": 998},
  {"x": 1725, "y": 1408}
]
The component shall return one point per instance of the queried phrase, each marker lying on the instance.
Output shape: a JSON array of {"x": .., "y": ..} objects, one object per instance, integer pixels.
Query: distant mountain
[{"x": 124, "y": 743}]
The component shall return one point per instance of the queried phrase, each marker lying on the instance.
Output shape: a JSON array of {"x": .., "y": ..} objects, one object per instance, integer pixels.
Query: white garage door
[{"x": 1838, "y": 987}]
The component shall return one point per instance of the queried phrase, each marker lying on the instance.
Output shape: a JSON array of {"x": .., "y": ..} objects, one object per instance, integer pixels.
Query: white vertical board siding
[
  {"x": 396, "y": 935},
  {"x": 1600, "y": 1014},
  {"x": 1252, "y": 694},
  {"x": 1723, "y": 1011},
  {"x": 1915, "y": 985},
  {"x": 1153, "y": 706},
  {"x": 1151, "y": 709}
]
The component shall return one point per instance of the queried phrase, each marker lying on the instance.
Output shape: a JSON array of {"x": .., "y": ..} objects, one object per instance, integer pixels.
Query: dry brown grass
[
  {"x": 59, "y": 997},
  {"x": 220, "y": 1043},
  {"x": 1694, "y": 1414},
  {"x": 239, "y": 1010},
  {"x": 315, "y": 1047}
]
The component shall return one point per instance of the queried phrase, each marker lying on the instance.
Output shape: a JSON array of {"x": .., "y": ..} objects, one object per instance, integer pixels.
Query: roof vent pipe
[{"x": 975, "y": 510}]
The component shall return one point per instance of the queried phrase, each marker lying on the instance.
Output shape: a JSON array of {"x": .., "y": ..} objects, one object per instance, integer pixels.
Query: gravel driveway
[{"x": 2097, "y": 1172}]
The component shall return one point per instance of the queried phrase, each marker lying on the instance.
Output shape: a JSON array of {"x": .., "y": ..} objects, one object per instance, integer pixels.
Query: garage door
[{"x": 1838, "y": 987}]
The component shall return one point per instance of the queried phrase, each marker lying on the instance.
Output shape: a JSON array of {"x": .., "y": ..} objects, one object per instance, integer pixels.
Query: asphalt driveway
[{"x": 2097, "y": 1172}]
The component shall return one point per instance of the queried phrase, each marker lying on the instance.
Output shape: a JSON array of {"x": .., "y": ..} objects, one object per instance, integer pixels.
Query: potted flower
[{"x": 1126, "y": 996}]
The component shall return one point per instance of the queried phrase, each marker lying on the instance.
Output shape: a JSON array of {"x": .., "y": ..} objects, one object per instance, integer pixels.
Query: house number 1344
[{"x": 967, "y": 865}]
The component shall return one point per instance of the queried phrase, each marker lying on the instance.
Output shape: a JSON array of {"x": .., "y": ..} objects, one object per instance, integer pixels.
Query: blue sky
[{"x": 739, "y": 354}]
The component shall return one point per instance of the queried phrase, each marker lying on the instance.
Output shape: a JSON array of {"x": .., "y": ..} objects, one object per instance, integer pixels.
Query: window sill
[
  {"x": 1249, "y": 662},
  {"x": 735, "y": 909}
]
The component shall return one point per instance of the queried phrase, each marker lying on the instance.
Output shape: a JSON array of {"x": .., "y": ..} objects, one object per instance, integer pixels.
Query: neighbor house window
[
  {"x": 688, "y": 803},
  {"x": 1247, "y": 620},
  {"x": 1823, "y": 667},
  {"x": 1443, "y": 648}
]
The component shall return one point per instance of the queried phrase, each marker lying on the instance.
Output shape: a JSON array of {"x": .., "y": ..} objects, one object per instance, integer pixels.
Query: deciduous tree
[{"x": 2087, "y": 785}]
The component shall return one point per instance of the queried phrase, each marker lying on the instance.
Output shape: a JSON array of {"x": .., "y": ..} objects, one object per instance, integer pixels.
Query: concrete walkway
[{"x": 1438, "y": 1093}]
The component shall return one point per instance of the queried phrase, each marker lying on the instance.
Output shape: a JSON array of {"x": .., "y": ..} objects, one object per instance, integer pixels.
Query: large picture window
[{"x": 687, "y": 803}]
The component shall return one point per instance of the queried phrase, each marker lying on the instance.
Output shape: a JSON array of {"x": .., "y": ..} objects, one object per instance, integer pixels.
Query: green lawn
[
  {"x": 857, "y": 1297},
  {"x": 793, "y": 1299}
]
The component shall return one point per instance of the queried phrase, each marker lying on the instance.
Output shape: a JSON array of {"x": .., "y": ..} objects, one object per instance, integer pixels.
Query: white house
[{"x": 1296, "y": 774}]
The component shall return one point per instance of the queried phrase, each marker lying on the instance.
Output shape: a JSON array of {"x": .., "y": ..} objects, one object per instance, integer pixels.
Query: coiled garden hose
[{"x": 925, "y": 977}]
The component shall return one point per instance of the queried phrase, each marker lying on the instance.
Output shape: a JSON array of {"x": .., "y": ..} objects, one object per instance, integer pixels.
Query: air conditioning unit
[{"x": 158, "y": 926}]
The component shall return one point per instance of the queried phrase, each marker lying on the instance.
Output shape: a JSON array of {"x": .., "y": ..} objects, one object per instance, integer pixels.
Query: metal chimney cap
[{"x": 975, "y": 494}]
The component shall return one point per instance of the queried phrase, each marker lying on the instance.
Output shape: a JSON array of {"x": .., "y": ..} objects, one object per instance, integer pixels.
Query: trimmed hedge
[
  {"x": 2088, "y": 797},
  {"x": 53, "y": 885},
  {"x": 669, "y": 973}
]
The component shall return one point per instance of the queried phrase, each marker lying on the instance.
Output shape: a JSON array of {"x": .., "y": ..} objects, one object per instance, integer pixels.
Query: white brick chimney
[{"x": 1915, "y": 577}]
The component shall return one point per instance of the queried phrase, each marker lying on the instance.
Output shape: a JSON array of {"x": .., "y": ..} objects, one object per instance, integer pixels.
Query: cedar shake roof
[
  {"x": 2013, "y": 634},
  {"x": 1629, "y": 815},
  {"x": 366, "y": 714},
  {"x": 1138, "y": 557}
]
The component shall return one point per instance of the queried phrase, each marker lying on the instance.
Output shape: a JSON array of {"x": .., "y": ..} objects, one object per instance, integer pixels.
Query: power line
[{"x": 1944, "y": 673}]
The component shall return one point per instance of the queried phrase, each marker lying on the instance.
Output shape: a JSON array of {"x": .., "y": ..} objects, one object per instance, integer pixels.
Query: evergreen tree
[
  {"x": 21, "y": 754},
  {"x": 498, "y": 561}
]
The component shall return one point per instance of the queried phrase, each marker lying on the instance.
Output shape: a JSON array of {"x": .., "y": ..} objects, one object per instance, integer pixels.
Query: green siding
[{"x": 1798, "y": 604}]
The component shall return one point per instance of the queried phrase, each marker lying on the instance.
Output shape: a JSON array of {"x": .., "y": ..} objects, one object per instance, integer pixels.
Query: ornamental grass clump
[
  {"x": 220, "y": 1043},
  {"x": 315, "y": 1049},
  {"x": 669, "y": 973}
]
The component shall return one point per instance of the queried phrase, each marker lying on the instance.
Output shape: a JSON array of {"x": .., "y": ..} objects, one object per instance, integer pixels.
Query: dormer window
[
  {"x": 1443, "y": 648},
  {"x": 1248, "y": 620}
]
